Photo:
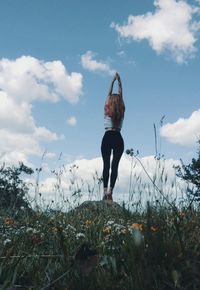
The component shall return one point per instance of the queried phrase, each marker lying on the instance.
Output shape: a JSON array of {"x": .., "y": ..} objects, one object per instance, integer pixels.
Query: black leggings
[{"x": 112, "y": 140}]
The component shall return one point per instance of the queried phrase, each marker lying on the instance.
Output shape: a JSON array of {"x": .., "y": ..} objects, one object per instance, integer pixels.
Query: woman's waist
[{"x": 112, "y": 129}]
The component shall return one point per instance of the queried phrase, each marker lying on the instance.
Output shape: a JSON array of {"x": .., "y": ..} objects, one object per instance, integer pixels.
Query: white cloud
[
  {"x": 15, "y": 116},
  {"x": 43, "y": 133},
  {"x": 23, "y": 81},
  {"x": 19, "y": 135},
  {"x": 185, "y": 131},
  {"x": 121, "y": 53},
  {"x": 28, "y": 79},
  {"x": 170, "y": 28},
  {"x": 88, "y": 62},
  {"x": 84, "y": 174},
  {"x": 72, "y": 121},
  {"x": 17, "y": 142},
  {"x": 14, "y": 157}
]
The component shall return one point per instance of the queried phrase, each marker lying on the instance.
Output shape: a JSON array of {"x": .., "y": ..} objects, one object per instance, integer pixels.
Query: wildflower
[
  {"x": 107, "y": 230},
  {"x": 54, "y": 230},
  {"x": 136, "y": 226},
  {"x": 119, "y": 229},
  {"x": 70, "y": 228},
  {"x": 9, "y": 221},
  {"x": 88, "y": 223},
  {"x": 7, "y": 241},
  {"x": 135, "y": 230},
  {"x": 153, "y": 229},
  {"x": 110, "y": 223},
  {"x": 121, "y": 221},
  {"x": 80, "y": 236},
  {"x": 29, "y": 230},
  {"x": 124, "y": 231}
]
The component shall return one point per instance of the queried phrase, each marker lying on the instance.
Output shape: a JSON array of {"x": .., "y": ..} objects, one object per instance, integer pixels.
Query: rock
[
  {"x": 100, "y": 208},
  {"x": 102, "y": 205}
]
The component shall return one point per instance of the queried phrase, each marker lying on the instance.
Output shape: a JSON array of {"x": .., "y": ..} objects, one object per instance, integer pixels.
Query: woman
[{"x": 112, "y": 141}]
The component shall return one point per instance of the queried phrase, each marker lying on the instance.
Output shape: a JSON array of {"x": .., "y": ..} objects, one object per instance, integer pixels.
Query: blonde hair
[{"x": 115, "y": 108}]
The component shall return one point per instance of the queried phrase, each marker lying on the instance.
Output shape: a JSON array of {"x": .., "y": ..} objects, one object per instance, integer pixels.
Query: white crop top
[{"x": 108, "y": 122}]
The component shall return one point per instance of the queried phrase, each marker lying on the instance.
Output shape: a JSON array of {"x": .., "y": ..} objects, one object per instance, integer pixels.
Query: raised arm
[
  {"x": 111, "y": 86},
  {"x": 116, "y": 77},
  {"x": 119, "y": 85}
]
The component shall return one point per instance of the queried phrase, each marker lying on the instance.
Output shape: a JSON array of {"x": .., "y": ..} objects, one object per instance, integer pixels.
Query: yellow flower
[
  {"x": 54, "y": 230},
  {"x": 89, "y": 223},
  {"x": 107, "y": 230},
  {"x": 136, "y": 226},
  {"x": 9, "y": 221}
]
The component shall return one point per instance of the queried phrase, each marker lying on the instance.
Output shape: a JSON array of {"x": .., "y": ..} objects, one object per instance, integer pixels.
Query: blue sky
[{"x": 57, "y": 59}]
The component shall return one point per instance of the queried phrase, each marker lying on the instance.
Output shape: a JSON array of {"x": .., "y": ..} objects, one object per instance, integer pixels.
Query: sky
[{"x": 57, "y": 60}]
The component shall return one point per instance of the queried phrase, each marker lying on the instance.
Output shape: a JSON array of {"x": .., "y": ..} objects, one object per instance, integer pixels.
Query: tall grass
[
  {"x": 142, "y": 245},
  {"x": 152, "y": 250}
]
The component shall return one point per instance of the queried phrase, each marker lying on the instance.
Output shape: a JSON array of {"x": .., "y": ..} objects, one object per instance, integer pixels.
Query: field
[
  {"x": 101, "y": 246},
  {"x": 97, "y": 244}
]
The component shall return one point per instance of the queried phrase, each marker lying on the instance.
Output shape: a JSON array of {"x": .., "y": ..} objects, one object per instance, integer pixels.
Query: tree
[
  {"x": 191, "y": 174},
  {"x": 13, "y": 189}
]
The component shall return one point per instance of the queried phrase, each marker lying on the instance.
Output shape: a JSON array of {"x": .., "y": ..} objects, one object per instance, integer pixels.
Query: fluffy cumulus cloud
[
  {"x": 23, "y": 81},
  {"x": 28, "y": 78},
  {"x": 185, "y": 131},
  {"x": 81, "y": 180},
  {"x": 88, "y": 62},
  {"x": 171, "y": 28}
]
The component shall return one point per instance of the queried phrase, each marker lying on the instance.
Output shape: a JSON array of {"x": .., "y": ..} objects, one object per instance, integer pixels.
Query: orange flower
[
  {"x": 136, "y": 226},
  {"x": 9, "y": 221},
  {"x": 153, "y": 229}
]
